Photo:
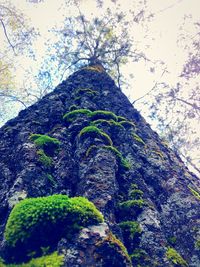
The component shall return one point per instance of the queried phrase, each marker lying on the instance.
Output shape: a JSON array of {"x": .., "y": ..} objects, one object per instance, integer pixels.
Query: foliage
[
  {"x": 52, "y": 260},
  {"x": 36, "y": 218},
  {"x": 131, "y": 228},
  {"x": 173, "y": 256},
  {"x": 127, "y": 124},
  {"x": 93, "y": 131},
  {"x": 72, "y": 115},
  {"x": 138, "y": 256}
]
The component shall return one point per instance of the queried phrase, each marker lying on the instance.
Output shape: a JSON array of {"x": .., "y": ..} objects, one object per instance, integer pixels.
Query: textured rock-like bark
[{"x": 167, "y": 212}]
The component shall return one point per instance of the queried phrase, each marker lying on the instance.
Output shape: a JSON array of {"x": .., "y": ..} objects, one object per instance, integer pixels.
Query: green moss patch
[
  {"x": 34, "y": 220},
  {"x": 44, "y": 159},
  {"x": 52, "y": 260},
  {"x": 106, "y": 122},
  {"x": 131, "y": 207},
  {"x": 194, "y": 193},
  {"x": 93, "y": 131},
  {"x": 72, "y": 115},
  {"x": 138, "y": 138},
  {"x": 127, "y": 124},
  {"x": 173, "y": 256},
  {"x": 45, "y": 141},
  {"x": 103, "y": 114},
  {"x": 132, "y": 228}
]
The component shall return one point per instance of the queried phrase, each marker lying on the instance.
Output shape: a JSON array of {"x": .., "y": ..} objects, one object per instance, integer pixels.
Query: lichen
[
  {"x": 72, "y": 115},
  {"x": 93, "y": 131},
  {"x": 173, "y": 256},
  {"x": 39, "y": 217}
]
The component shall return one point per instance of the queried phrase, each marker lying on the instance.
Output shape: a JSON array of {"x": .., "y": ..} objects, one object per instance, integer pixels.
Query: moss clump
[
  {"x": 172, "y": 240},
  {"x": 72, "y": 115},
  {"x": 132, "y": 228},
  {"x": 116, "y": 244},
  {"x": 87, "y": 91},
  {"x": 138, "y": 139},
  {"x": 45, "y": 141},
  {"x": 139, "y": 256},
  {"x": 34, "y": 220},
  {"x": 44, "y": 159},
  {"x": 195, "y": 193},
  {"x": 197, "y": 244},
  {"x": 51, "y": 179},
  {"x": 127, "y": 124},
  {"x": 120, "y": 118},
  {"x": 103, "y": 114},
  {"x": 52, "y": 260},
  {"x": 107, "y": 122},
  {"x": 173, "y": 256},
  {"x": 134, "y": 203},
  {"x": 123, "y": 162},
  {"x": 136, "y": 194},
  {"x": 93, "y": 131}
]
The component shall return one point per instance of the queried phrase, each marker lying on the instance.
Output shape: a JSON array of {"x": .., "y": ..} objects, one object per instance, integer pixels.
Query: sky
[{"x": 159, "y": 37}]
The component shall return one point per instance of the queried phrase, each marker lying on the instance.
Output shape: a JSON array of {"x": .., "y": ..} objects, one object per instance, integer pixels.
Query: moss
[
  {"x": 138, "y": 256},
  {"x": 51, "y": 179},
  {"x": 138, "y": 139},
  {"x": 93, "y": 131},
  {"x": 107, "y": 122},
  {"x": 103, "y": 114},
  {"x": 136, "y": 194},
  {"x": 52, "y": 260},
  {"x": 72, "y": 115},
  {"x": 197, "y": 244},
  {"x": 45, "y": 141},
  {"x": 195, "y": 193},
  {"x": 132, "y": 203},
  {"x": 173, "y": 256},
  {"x": 172, "y": 240},
  {"x": 72, "y": 107},
  {"x": 132, "y": 228},
  {"x": 113, "y": 241},
  {"x": 36, "y": 218},
  {"x": 120, "y": 118},
  {"x": 87, "y": 91},
  {"x": 127, "y": 124},
  {"x": 44, "y": 159},
  {"x": 123, "y": 162}
]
